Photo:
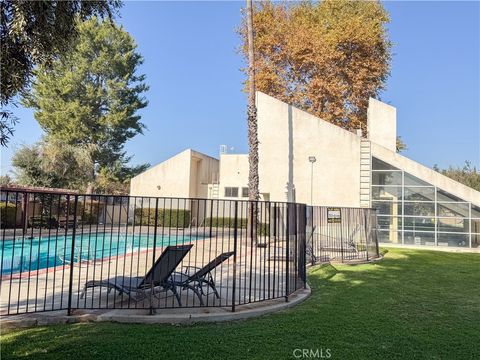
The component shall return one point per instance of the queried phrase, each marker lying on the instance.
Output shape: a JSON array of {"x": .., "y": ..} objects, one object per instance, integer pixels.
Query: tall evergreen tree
[
  {"x": 90, "y": 96},
  {"x": 34, "y": 33}
]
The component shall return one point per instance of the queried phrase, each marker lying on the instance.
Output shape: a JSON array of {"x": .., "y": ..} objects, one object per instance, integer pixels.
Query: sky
[{"x": 192, "y": 65}]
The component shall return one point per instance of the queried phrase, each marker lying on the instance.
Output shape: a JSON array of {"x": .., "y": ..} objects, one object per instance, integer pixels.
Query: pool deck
[{"x": 260, "y": 276}]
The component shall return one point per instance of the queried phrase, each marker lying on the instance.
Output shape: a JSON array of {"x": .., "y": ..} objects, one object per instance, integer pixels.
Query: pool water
[{"x": 29, "y": 254}]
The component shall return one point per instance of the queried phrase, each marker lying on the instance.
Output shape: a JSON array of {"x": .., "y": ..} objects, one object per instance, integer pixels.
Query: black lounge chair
[
  {"x": 194, "y": 280},
  {"x": 158, "y": 276}
]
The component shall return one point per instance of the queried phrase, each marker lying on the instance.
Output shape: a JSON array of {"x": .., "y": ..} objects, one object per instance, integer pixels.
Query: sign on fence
[{"x": 334, "y": 216}]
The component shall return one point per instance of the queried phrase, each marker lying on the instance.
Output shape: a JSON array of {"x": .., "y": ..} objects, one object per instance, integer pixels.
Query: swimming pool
[{"x": 30, "y": 254}]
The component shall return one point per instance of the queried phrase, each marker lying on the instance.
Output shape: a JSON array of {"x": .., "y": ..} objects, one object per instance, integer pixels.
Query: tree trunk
[{"x": 253, "y": 180}]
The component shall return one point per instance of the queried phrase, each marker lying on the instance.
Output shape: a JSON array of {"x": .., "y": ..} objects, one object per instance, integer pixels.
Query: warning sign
[{"x": 334, "y": 216}]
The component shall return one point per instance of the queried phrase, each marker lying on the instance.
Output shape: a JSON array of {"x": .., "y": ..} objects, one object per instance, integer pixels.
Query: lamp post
[{"x": 312, "y": 160}]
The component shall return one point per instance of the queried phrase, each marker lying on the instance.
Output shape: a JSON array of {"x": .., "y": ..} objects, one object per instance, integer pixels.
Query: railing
[
  {"x": 70, "y": 251},
  {"x": 341, "y": 234}
]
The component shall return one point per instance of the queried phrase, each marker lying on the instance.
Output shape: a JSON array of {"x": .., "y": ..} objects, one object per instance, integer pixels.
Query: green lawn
[{"x": 412, "y": 304}]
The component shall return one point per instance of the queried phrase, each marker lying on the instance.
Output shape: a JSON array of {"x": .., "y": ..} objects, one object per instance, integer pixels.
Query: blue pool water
[{"x": 31, "y": 254}]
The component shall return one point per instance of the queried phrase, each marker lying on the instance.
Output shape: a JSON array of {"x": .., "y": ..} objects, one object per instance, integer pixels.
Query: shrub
[
  {"x": 166, "y": 217},
  {"x": 89, "y": 211},
  {"x": 227, "y": 222},
  {"x": 43, "y": 222},
  {"x": 8, "y": 215}
]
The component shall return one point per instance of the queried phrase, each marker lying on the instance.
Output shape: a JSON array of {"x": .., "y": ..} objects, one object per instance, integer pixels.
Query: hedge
[
  {"x": 228, "y": 222},
  {"x": 166, "y": 217},
  {"x": 8, "y": 215}
]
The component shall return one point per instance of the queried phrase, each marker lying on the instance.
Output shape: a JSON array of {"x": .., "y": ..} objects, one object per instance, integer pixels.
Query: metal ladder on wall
[
  {"x": 215, "y": 186},
  {"x": 365, "y": 172}
]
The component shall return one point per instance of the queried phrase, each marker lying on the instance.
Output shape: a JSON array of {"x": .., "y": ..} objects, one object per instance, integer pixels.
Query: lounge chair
[
  {"x": 158, "y": 276},
  {"x": 196, "y": 279}
]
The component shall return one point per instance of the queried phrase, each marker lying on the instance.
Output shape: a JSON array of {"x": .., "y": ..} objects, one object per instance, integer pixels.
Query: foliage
[
  {"x": 401, "y": 146},
  {"x": 89, "y": 211},
  {"x": 6, "y": 180},
  {"x": 402, "y": 307},
  {"x": 327, "y": 58},
  {"x": 7, "y": 123},
  {"x": 89, "y": 96},
  {"x": 467, "y": 175},
  {"x": 228, "y": 222},
  {"x": 34, "y": 33},
  {"x": 8, "y": 214},
  {"x": 175, "y": 218},
  {"x": 51, "y": 163},
  {"x": 116, "y": 179}
]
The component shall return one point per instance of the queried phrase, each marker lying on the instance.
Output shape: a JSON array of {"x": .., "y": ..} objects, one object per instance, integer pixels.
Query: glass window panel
[
  {"x": 419, "y": 238},
  {"x": 387, "y": 178},
  {"x": 385, "y": 236},
  {"x": 386, "y": 192},
  {"x": 419, "y": 194},
  {"x": 389, "y": 223},
  {"x": 453, "y": 224},
  {"x": 387, "y": 207},
  {"x": 453, "y": 209},
  {"x": 457, "y": 240},
  {"x": 231, "y": 192},
  {"x": 419, "y": 209},
  {"x": 445, "y": 196},
  {"x": 378, "y": 164},
  {"x": 411, "y": 180},
  {"x": 419, "y": 223},
  {"x": 475, "y": 212}
]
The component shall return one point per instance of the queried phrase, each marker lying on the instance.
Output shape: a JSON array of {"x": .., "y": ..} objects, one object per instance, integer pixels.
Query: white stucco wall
[
  {"x": 186, "y": 174},
  {"x": 382, "y": 124},
  {"x": 233, "y": 173},
  {"x": 288, "y": 136}
]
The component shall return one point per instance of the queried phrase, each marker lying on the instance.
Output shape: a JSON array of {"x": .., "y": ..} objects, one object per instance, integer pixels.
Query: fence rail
[
  {"x": 71, "y": 251},
  {"x": 341, "y": 234}
]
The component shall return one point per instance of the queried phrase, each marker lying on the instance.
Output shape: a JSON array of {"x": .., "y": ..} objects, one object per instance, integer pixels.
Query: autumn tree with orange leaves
[{"x": 326, "y": 57}]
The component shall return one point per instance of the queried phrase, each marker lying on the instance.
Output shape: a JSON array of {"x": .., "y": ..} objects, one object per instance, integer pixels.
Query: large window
[{"x": 412, "y": 211}]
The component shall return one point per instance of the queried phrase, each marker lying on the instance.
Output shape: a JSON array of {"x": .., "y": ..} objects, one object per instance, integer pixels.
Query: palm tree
[{"x": 253, "y": 179}]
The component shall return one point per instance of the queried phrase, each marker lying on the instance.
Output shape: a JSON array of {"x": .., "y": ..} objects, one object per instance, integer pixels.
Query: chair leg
[
  {"x": 212, "y": 285},
  {"x": 177, "y": 295},
  {"x": 195, "y": 290}
]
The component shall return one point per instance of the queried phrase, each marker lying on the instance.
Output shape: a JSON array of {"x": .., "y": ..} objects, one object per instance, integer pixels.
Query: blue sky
[{"x": 196, "y": 99}]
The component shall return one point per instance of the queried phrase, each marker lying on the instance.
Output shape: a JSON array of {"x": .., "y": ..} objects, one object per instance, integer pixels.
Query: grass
[{"x": 413, "y": 304}]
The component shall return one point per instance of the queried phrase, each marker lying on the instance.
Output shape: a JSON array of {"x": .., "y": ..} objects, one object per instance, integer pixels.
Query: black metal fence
[
  {"x": 68, "y": 251},
  {"x": 341, "y": 234}
]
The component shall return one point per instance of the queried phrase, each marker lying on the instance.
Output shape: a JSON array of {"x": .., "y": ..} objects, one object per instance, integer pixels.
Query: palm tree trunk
[{"x": 253, "y": 180}]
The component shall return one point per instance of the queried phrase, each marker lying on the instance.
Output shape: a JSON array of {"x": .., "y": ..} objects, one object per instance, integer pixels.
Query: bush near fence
[
  {"x": 175, "y": 218},
  {"x": 228, "y": 222},
  {"x": 8, "y": 215}
]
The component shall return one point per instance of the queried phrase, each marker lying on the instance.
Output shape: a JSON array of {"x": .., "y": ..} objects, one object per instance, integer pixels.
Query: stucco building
[{"x": 305, "y": 159}]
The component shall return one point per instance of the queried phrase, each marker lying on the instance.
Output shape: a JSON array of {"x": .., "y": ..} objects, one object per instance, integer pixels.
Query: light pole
[{"x": 312, "y": 159}]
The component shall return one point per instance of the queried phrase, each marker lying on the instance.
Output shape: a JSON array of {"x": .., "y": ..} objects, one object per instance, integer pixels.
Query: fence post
[
  {"x": 72, "y": 255},
  {"x": 287, "y": 254},
  {"x": 153, "y": 256},
  {"x": 211, "y": 218},
  {"x": 304, "y": 247},
  {"x": 235, "y": 234},
  {"x": 367, "y": 233}
]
